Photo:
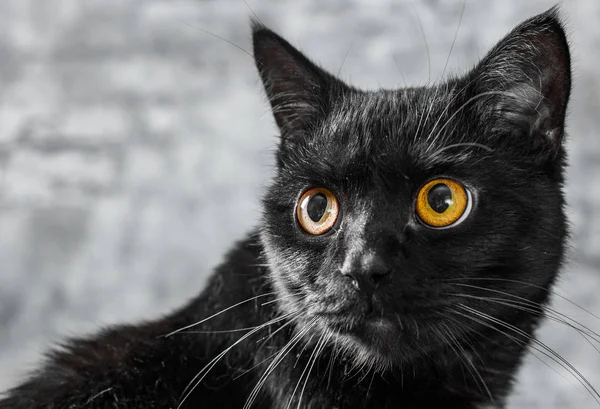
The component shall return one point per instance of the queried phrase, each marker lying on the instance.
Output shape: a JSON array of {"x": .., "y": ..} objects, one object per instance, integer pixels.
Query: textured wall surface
[{"x": 134, "y": 148}]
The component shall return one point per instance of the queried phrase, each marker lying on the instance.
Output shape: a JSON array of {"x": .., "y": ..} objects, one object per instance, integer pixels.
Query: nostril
[
  {"x": 377, "y": 276},
  {"x": 351, "y": 277},
  {"x": 363, "y": 280}
]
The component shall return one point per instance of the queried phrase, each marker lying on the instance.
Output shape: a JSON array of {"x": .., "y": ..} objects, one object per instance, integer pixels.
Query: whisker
[
  {"x": 467, "y": 330},
  {"x": 458, "y": 145},
  {"x": 344, "y": 60},
  {"x": 316, "y": 353},
  {"x": 460, "y": 109},
  {"x": 332, "y": 358},
  {"x": 462, "y": 355},
  {"x": 290, "y": 321},
  {"x": 276, "y": 361},
  {"x": 206, "y": 369},
  {"x": 462, "y": 12},
  {"x": 253, "y": 12},
  {"x": 508, "y": 280},
  {"x": 426, "y": 44},
  {"x": 457, "y": 93},
  {"x": 216, "y": 314},
  {"x": 514, "y": 339},
  {"x": 283, "y": 297},
  {"x": 225, "y": 331},
  {"x": 400, "y": 71},
  {"x": 369, "y": 387},
  {"x": 559, "y": 359},
  {"x": 532, "y": 304},
  {"x": 366, "y": 371},
  {"x": 217, "y": 36},
  {"x": 535, "y": 309},
  {"x": 305, "y": 368}
]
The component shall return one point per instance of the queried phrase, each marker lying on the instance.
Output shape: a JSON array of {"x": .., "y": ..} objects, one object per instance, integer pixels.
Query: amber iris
[
  {"x": 442, "y": 202},
  {"x": 317, "y": 210}
]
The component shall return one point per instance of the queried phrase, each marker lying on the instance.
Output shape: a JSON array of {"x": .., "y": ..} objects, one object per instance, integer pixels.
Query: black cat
[{"x": 408, "y": 245}]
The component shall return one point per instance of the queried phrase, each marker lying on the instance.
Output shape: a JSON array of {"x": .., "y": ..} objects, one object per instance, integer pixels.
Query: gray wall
[{"x": 134, "y": 147}]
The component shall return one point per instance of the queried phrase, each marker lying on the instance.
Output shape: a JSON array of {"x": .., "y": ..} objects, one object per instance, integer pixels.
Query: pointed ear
[
  {"x": 298, "y": 90},
  {"x": 528, "y": 79}
]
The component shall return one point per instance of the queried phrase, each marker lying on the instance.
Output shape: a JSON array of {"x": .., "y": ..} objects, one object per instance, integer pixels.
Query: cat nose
[{"x": 368, "y": 273}]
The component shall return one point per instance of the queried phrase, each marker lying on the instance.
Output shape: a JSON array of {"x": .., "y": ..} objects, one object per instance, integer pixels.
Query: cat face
[{"x": 396, "y": 216}]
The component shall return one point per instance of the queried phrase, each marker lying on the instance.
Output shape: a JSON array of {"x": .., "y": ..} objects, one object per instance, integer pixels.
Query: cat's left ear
[
  {"x": 527, "y": 77},
  {"x": 300, "y": 92}
]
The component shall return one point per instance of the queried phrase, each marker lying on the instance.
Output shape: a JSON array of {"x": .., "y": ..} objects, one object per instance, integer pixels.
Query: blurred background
[{"x": 134, "y": 148}]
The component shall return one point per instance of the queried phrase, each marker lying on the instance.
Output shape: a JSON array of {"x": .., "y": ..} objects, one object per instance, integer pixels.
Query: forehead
[
  {"x": 369, "y": 116},
  {"x": 388, "y": 130}
]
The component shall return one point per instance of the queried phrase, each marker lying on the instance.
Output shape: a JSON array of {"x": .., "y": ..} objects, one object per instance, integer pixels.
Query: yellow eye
[
  {"x": 317, "y": 210},
  {"x": 443, "y": 203}
]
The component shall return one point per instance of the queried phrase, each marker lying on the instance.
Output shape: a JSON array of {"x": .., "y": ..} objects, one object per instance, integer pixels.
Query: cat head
[{"x": 396, "y": 216}]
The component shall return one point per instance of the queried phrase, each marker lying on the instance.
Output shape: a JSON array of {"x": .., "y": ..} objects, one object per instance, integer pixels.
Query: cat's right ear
[{"x": 299, "y": 91}]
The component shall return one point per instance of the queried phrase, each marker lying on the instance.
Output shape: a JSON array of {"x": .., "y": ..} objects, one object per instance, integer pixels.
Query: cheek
[
  {"x": 328, "y": 294},
  {"x": 289, "y": 266},
  {"x": 295, "y": 270},
  {"x": 490, "y": 237},
  {"x": 322, "y": 286},
  {"x": 304, "y": 271}
]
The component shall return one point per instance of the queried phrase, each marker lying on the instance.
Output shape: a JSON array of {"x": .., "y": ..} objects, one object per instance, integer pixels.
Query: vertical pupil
[
  {"x": 439, "y": 198},
  {"x": 316, "y": 207}
]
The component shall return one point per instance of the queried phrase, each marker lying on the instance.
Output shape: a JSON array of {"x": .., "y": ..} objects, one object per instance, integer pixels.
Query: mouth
[
  {"x": 383, "y": 334},
  {"x": 373, "y": 333},
  {"x": 383, "y": 339}
]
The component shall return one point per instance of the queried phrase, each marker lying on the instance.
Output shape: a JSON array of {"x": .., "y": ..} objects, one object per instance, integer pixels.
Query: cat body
[{"x": 408, "y": 245}]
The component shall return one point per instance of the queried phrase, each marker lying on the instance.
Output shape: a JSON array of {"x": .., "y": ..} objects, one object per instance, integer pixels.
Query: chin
[{"x": 378, "y": 344}]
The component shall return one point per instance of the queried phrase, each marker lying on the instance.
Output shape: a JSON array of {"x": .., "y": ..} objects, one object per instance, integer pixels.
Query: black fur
[{"x": 435, "y": 317}]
